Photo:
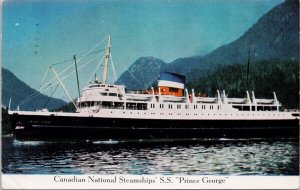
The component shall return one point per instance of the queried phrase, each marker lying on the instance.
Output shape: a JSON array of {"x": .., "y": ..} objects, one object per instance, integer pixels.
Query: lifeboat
[
  {"x": 205, "y": 99},
  {"x": 264, "y": 101},
  {"x": 236, "y": 100},
  {"x": 138, "y": 97}
]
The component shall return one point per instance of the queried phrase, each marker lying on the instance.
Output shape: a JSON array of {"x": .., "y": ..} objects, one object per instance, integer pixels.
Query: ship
[{"x": 168, "y": 111}]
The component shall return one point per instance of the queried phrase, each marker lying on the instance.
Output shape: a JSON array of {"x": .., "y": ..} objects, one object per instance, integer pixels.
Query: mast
[
  {"x": 77, "y": 76},
  {"x": 248, "y": 67},
  {"x": 77, "y": 79},
  {"x": 105, "y": 71}
]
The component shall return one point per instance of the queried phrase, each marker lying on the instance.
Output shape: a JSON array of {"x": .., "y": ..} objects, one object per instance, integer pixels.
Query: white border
[{"x": 160, "y": 182}]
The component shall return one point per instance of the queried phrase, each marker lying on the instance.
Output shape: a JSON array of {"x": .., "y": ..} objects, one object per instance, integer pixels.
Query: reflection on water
[{"x": 280, "y": 157}]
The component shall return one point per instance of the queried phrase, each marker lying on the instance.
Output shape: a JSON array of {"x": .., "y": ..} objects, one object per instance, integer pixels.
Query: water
[{"x": 222, "y": 157}]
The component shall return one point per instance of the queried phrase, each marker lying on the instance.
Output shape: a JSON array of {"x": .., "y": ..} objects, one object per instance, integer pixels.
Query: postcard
[{"x": 149, "y": 94}]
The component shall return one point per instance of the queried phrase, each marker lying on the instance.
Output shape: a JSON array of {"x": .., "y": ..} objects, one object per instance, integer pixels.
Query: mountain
[
  {"x": 142, "y": 73},
  {"x": 17, "y": 90},
  {"x": 275, "y": 36}
]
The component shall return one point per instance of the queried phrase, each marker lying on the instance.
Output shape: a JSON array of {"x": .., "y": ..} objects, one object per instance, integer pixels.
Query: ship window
[
  {"x": 141, "y": 106},
  {"x": 260, "y": 108},
  {"x": 246, "y": 108},
  {"x": 112, "y": 94},
  {"x": 173, "y": 89},
  {"x": 85, "y": 104},
  {"x": 110, "y": 105},
  {"x": 103, "y": 93},
  {"x": 132, "y": 106},
  {"x": 237, "y": 107},
  {"x": 186, "y": 106}
]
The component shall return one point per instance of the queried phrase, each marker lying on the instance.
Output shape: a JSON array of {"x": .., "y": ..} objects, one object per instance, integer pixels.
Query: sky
[{"x": 37, "y": 33}]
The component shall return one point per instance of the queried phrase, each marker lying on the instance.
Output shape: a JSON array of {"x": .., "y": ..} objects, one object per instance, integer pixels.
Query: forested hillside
[
  {"x": 265, "y": 77},
  {"x": 16, "y": 90}
]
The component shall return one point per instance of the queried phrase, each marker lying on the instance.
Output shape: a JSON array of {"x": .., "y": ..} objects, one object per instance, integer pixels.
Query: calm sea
[{"x": 222, "y": 157}]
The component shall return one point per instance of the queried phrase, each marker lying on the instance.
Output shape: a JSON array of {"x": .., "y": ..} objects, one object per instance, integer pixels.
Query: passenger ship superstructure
[{"x": 107, "y": 111}]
